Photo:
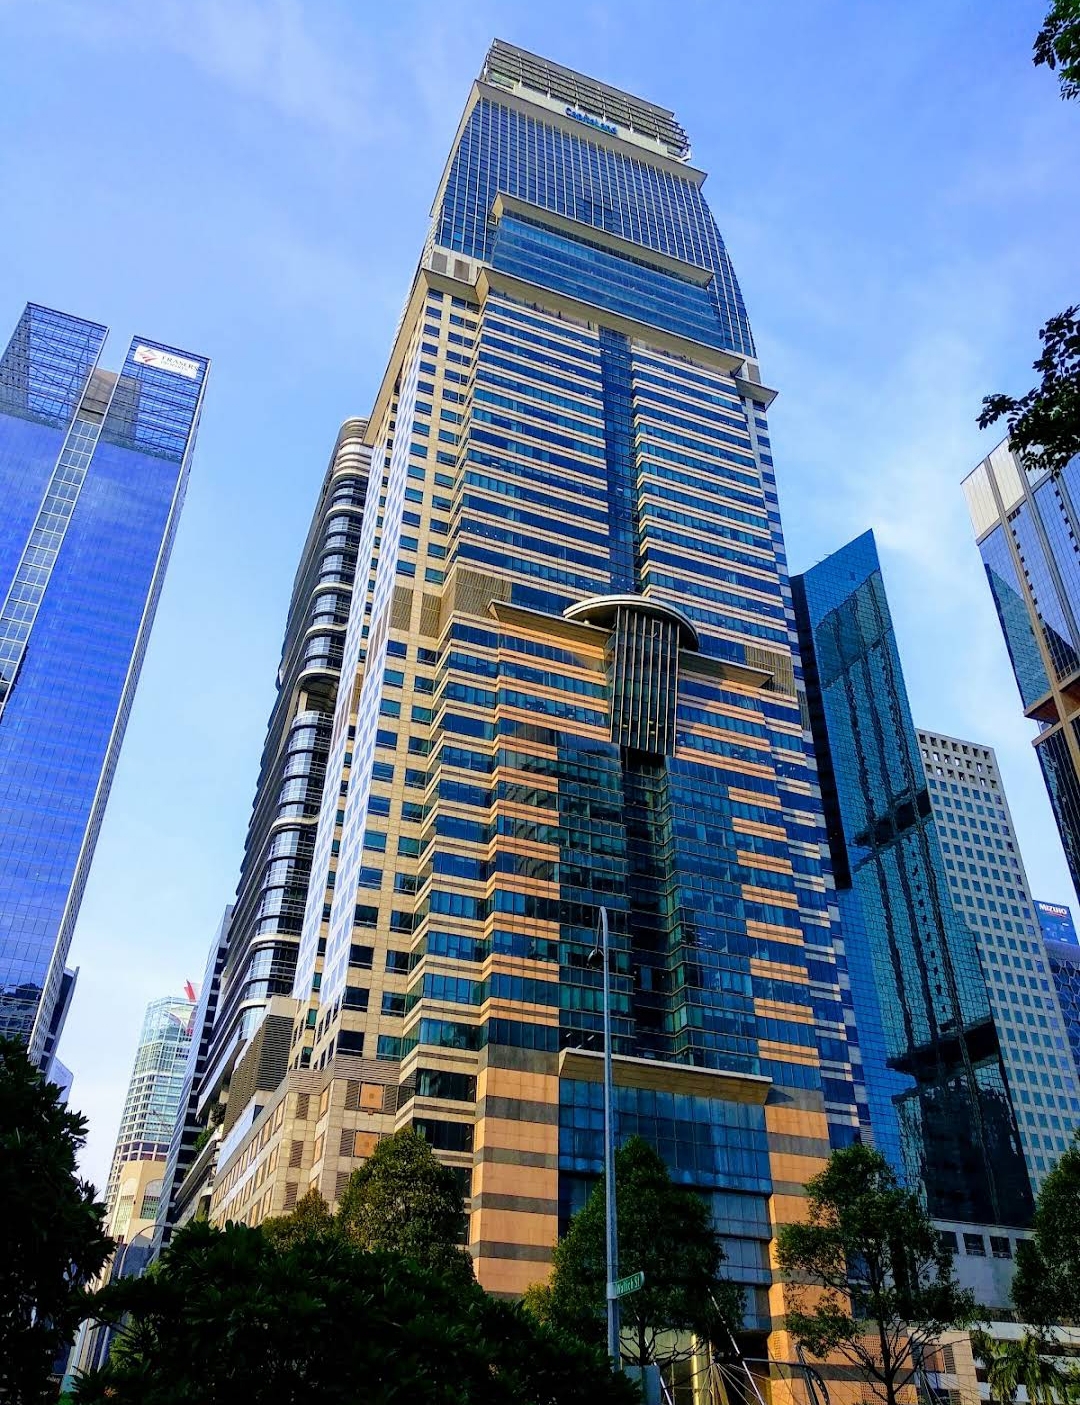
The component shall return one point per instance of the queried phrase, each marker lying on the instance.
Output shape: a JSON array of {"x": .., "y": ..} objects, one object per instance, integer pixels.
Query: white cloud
[{"x": 272, "y": 50}]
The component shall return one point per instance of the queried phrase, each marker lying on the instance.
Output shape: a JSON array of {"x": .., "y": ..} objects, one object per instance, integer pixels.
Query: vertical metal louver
[{"x": 643, "y": 667}]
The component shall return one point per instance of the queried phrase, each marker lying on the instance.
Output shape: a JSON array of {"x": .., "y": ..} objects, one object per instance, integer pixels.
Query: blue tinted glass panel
[
  {"x": 1015, "y": 618},
  {"x": 63, "y": 720}
]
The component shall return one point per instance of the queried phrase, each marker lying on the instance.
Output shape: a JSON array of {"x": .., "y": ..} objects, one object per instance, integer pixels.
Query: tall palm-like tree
[{"x": 1010, "y": 1365}]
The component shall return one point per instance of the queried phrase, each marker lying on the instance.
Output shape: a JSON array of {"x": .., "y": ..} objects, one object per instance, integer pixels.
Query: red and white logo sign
[{"x": 165, "y": 361}]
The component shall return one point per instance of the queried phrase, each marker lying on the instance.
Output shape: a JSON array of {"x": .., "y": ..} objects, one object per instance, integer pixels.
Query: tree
[
  {"x": 665, "y": 1231},
  {"x": 1011, "y": 1364},
  {"x": 405, "y": 1201},
  {"x": 1057, "y": 45},
  {"x": 870, "y": 1277},
  {"x": 1045, "y": 1290},
  {"x": 311, "y": 1219},
  {"x": 1046, "y": 1284},
  {"x": 238, "y": 1314},
  {"x": 1044, "y": 424},
  {"x": 51, "y": 1235}
]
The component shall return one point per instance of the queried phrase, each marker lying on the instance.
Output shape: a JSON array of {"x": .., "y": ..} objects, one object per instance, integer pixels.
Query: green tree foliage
[
  {"x": 312, "y": 1219},
  {"x": 1046, "y": 1285},
  {"x": 1011, "y": 1364},
  {"x": 869, "y": 1276},
  {"x": 1044, "y": 424},
  {"x": 51, "y": 1236},
  {"x": 403, "y": 1200},
  {"x": 1057, "y": 45},
  {"x": 664, "y": 1230},
  {"x": 1045, "y": 1291},
  {"x": 239, "y": 1315}
]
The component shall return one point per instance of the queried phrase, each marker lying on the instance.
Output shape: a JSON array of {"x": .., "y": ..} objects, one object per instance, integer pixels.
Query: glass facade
[
  {"x": 252, "y": 960},
  {"x": 989, "y": 889},
  {"x": 1026, "y": 523},
  {"x": 1063, "y": 959},
  {"x": 188, "y": 1136},
  {"x": 93, "y": 467},
  {"x": 267, "y": 916},
  {"x": 940, "y": 1102},
  {"x": 153, "y": 1095}
]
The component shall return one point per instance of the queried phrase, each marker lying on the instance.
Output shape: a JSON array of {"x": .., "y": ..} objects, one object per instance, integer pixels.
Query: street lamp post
[{"x": 602, "y": 949}]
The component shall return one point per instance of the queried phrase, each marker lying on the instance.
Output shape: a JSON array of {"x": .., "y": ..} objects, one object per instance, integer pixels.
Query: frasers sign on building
[
  {"x": 592, "y": 121},
  {"x": 165, "y": 361}
]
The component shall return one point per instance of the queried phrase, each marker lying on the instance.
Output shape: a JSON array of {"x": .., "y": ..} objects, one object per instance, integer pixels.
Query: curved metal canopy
[{"x": 602, "y": 609}]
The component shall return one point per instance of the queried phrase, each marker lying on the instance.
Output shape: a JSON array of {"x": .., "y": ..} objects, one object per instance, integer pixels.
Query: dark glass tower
[
  {"x": 93, "y": 468},
  {"x": 940, "y": 1106},
  {"x": 1064, "y": 962},
  {"x": 1027, "y": 524}
]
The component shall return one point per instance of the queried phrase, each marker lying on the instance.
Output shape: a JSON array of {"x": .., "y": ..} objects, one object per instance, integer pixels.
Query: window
[
  {"x": 1000, "y": 1246},
  {"x": 439, "y": 1083},
  {"x": 975, "y": 1245},
  {"x": 446, "y": 1136}
]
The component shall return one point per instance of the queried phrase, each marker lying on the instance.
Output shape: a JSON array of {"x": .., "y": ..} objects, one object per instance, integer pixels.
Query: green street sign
[{"x": 630, "y": 1284}]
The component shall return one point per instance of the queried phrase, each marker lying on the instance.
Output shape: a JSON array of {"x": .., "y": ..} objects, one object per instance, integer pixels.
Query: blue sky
[{"x": 897, "y": 187}]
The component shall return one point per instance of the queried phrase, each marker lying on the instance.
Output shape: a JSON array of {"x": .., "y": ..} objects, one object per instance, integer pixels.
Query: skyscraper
[
  {"x": 985, "y": 872},
  {"x": 243, "y": 1039},
  {"x": 939, "y": 1098},
  {"x": 268, "y": 912},
  {"x": 93, "y": 467},
  {"x": 188, "y": 1136},
  {"x": 1027, "y": 527},
  {"x": 137, "y": 1176},
  {"x": 569, "y": 681},
  {"x": 150, "y": 1113}
]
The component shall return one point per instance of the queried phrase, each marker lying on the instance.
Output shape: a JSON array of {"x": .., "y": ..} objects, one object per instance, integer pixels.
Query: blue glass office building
[
  {"x": 93, "y": 467},
  {"x": 1027, "y": 524},
  {"x": 939, "y": 1100}
]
